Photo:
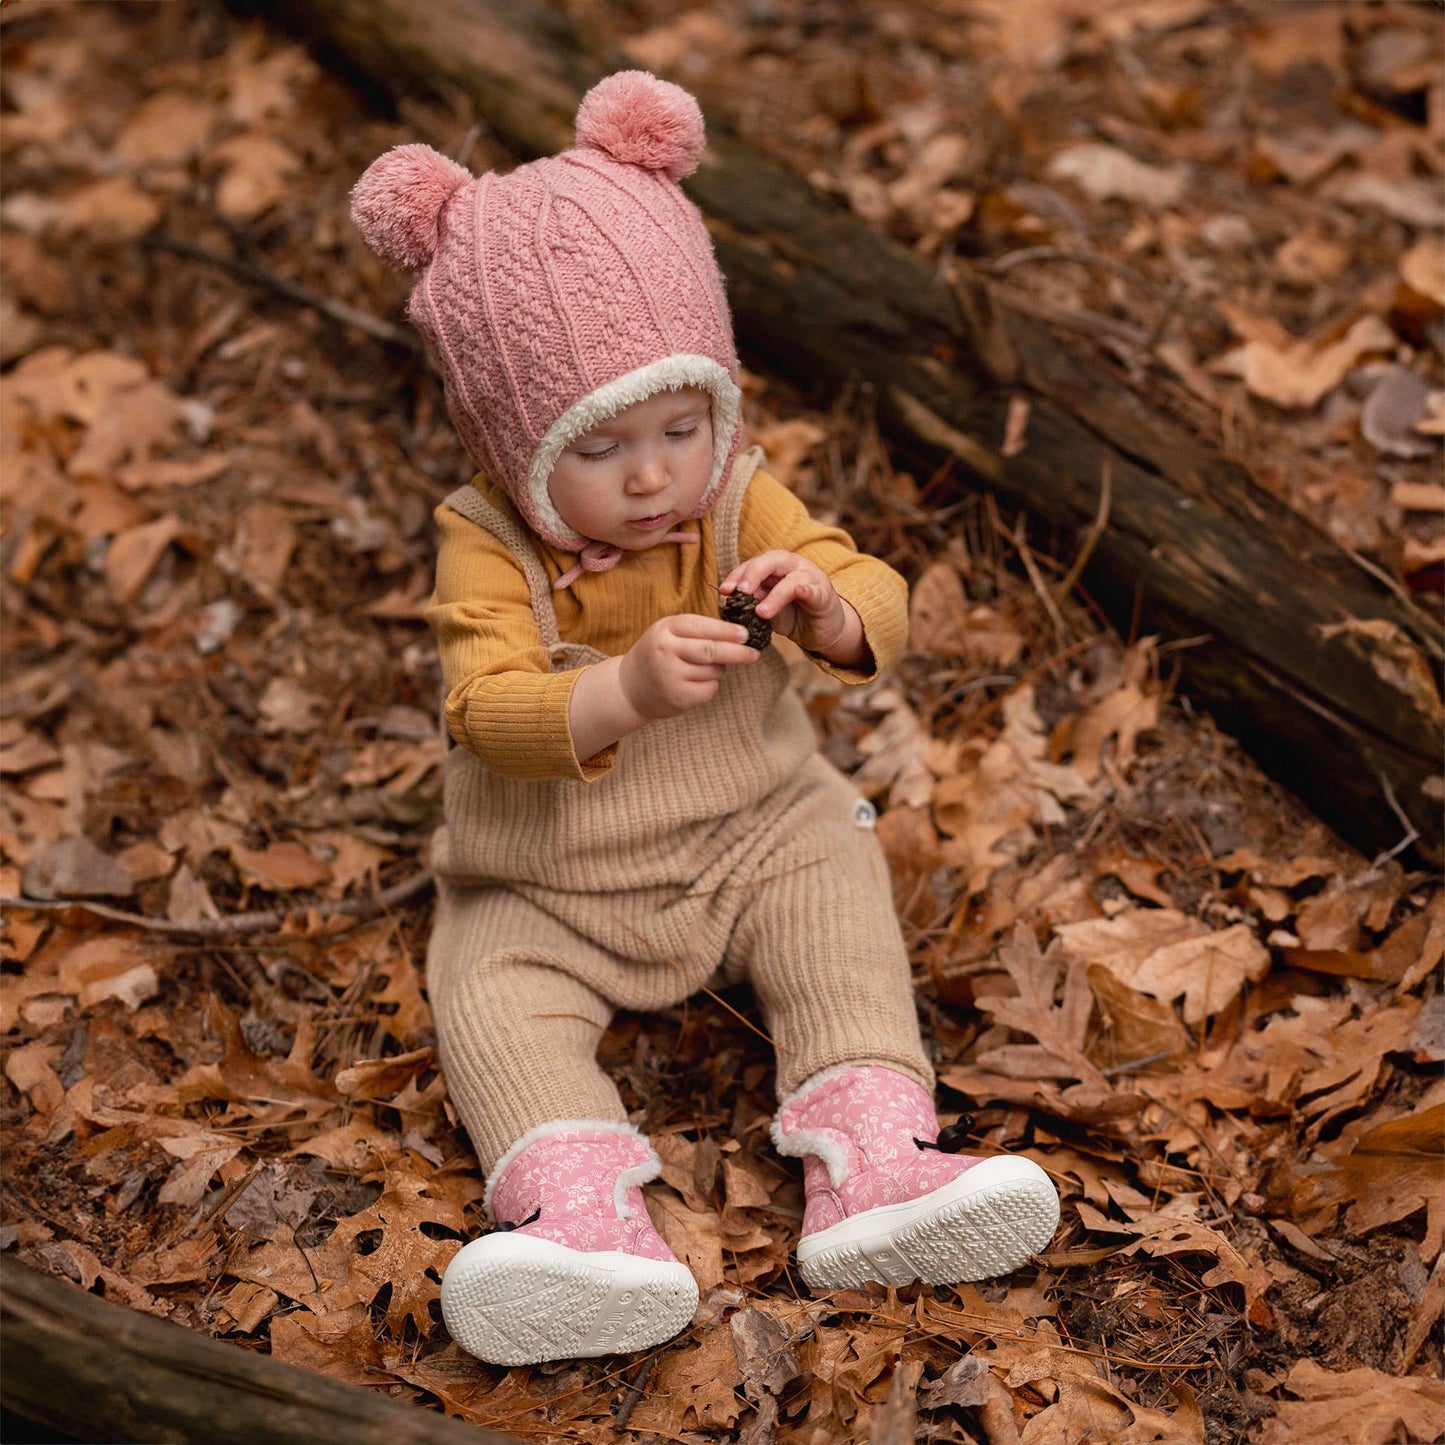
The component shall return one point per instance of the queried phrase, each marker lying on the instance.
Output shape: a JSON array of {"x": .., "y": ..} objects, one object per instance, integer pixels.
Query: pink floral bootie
[
  {"x": 886, "y": 1203},
  {"x": 575, "y": 1267}
]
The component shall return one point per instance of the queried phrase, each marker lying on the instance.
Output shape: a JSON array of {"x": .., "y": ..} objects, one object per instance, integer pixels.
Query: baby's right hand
[{"x": 678, "y": 663}]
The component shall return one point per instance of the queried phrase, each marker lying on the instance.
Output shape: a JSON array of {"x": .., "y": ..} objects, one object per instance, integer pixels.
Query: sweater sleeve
[
  {"x": 773, "y": 517},
  {"x": 503, "y": 701}
]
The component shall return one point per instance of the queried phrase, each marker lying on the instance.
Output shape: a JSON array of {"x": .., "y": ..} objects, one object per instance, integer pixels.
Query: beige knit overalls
[{"x": 720, "y": 844}]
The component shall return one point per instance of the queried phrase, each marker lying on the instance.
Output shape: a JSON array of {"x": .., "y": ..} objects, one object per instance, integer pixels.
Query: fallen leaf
[
  {"x": 787, "y": 443},
  {"x": 692, "y": 1235},
  {"x": 1166, "y": 954},
  {"x": 1412, "y": 199},
  {"x": 1300, "y": 373},
  {"x": 1059, "y": 1028},
  {"x": 75, "y": 868},
  {"x": 963, "y": 1383},
  {"x": 105, "y": 967},
  {"x": 1422, "y": 268},
  {"x": 1140, "y": 1030},
  {"x": 1105, "y": 172},
  {"x": 1354, "y": 1407},
  {"x": 167, "y": 128},
  {"x": 283, "y": 866},
  {"x": 693, "y": 1389},
  {"x": 1090, "y": 1408},
  {"x": 257, "y": 174},
  {"x": 132, "y": 556},
  {"x": 381, "y": 1078}
]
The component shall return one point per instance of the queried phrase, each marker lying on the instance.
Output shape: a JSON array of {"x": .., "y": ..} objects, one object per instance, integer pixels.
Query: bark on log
[
  {"x": 98, "y": 1371},
  {"x": 1317, "y": 665}
]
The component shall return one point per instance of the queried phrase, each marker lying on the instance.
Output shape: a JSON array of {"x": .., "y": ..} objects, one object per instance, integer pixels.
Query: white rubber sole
[
  {"x": 984, "y": 1224},
  {"x": 512, "y": 1299}
]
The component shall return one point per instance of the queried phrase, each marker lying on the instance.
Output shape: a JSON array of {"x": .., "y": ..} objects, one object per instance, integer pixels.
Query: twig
[
  {"x": 1006, "y": 263},
  {"x": 1411, "y": 618},
  {"x": 1411, "y": 831},
  {"x": 1036, "y": 577},
  {"x": 234, "y": 925},
  {"x": 303, "y": 296},
  {"x": 1134, "y": 1064},
  {"x": 1171, "y": 305},
  {"x": 1091, "y": 323},
  {"x": 1091, "y": 537},
  {"x": 628, "y": 1403}
]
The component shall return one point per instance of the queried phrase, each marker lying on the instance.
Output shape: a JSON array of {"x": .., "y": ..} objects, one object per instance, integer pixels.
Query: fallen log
[
  {"x": 98, "y": 1371},
  {"x": 1324, "y": 670}
]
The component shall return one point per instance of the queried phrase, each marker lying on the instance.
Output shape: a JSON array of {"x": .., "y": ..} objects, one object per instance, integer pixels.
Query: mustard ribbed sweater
[{"x": 503, "y": 701}]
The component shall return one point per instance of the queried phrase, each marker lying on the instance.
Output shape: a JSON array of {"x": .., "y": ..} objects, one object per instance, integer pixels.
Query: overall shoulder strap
[
  {"x": 518, "y": 541},
  {"x": 729, "y": 509}
]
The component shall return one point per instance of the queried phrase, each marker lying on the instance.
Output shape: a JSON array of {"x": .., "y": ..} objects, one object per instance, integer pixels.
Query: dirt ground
[{"x": 1138, "y": 961}]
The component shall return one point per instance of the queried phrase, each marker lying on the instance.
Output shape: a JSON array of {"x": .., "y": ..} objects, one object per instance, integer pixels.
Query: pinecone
[{"x": 742, "y": 607}]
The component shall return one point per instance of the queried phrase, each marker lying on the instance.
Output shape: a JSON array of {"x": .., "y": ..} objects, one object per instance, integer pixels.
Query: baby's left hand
[{"x": 799, "y": 599}]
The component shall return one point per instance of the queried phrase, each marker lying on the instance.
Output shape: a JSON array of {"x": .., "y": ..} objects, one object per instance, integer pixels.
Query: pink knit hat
[{"x": 555, "y": 296}]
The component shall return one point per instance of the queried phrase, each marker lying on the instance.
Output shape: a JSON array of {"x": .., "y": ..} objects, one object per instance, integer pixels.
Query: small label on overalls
[{"x": 865, "y": 815}]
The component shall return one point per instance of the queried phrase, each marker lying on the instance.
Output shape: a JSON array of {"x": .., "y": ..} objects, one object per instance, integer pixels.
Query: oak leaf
[
  {"x": 1060, "y": 1028},
  {"x": 1356, "y": 1407}
]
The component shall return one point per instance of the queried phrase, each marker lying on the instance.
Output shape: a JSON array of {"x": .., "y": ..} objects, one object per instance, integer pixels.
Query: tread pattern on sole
[
  {"x": 981, "y": 1236},
  {"x": 511, "y": 1311}
]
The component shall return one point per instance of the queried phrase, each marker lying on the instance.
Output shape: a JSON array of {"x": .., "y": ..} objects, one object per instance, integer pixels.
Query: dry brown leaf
[
  {"x": 1167, "y": 954},
  {"x": 1389, "y": 963},
  {"x": 265, "y": 541},
  {"x": 1089, "y": 1408},
  {"x": 263, "y": 83},
  {"x": 29, "y": 1069},
  {"x": 75, "y": 868},
  {"x": 693, "y": 1389},
  {"x": 692, "y": 1235},
  {"x": 1299, "y": 373},
  {"x": 258, "y": 172},
  {"x": 1001, "y": 789},
  {"x": 1422, "y": 268},
  {"x": 1131, "y": 709},
  {"x": 1059, "y": 1028},
  {"x": 787, "y": 443},
  {"x": 1356, "y": 1407},
  {"x": 763, "y": 1344},
  {"x": 167, "y": 128},
  {"x": 1161, "y": 1233},
  {"x": 1105, "y": 172},
  {"x": 381, "y": 1078},
  {"x": 744, "y": 1184},
  {"x": 354, "y": 1146},
  {"x": 282, "y": 866},
  {"x": 287, "y": 707},
  {"x": 111, "y": 210},
  {"x": 132, "y": 556},
  {"x": 339, "y": 1342},
  {"x": 1139, "y": 1030},
  {"x": 200, "y": 1155},
  {"x": 244, "y": 1307},
  {"x": 892, "y": 756}
]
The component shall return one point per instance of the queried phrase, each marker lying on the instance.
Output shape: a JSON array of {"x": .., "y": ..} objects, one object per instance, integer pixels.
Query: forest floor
[{"x": 1138, "y": 961}]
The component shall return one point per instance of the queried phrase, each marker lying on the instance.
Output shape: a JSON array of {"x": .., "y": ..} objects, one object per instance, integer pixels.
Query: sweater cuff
[
  {"x": 521, "y": 729},
  {"x": 879, "y": 597}
]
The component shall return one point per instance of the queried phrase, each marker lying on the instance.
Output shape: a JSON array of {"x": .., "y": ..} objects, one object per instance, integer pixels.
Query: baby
[{"x": 637, "y": 804}]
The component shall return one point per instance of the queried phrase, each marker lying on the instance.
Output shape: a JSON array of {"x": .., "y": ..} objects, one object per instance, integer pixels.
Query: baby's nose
[{"x": 649, "y": 475}]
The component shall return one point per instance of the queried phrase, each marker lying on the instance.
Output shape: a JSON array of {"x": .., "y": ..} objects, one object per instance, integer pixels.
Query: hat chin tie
[{"x": 604, "y": 556}]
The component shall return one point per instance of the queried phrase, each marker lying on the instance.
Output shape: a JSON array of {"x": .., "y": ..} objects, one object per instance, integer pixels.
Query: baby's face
[{"x": 630, "y": 479}]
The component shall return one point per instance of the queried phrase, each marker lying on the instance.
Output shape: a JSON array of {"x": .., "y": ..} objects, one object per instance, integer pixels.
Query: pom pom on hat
[
  {"x": 634, "y": 117},
  {"x": 398, "y": 201}
]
